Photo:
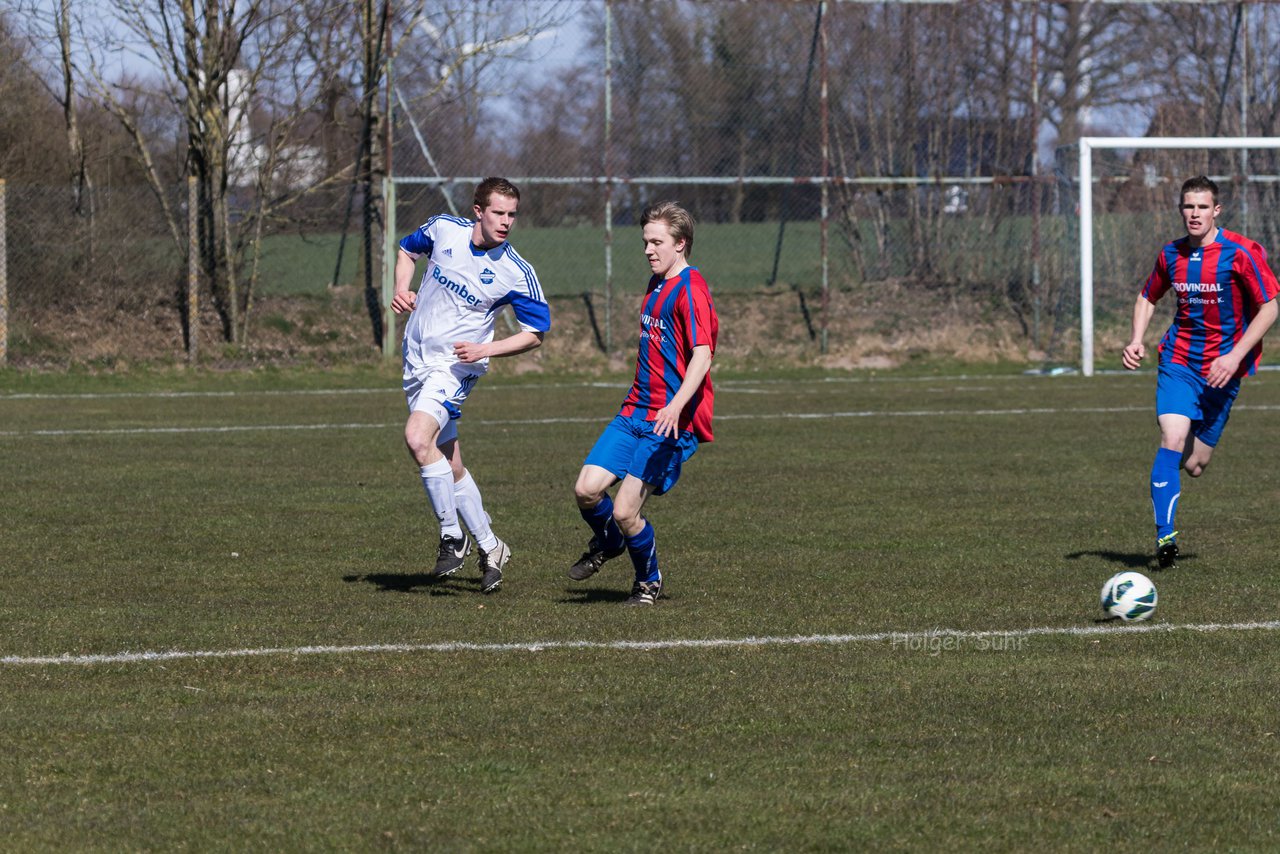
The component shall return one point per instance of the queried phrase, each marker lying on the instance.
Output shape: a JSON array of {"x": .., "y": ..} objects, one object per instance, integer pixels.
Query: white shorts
[{"x": 440, "y": 393}]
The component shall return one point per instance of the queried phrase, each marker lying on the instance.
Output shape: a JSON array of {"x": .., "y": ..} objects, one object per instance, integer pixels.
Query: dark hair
[
  {"x": 486, "y": 188},
  {"x": 1199, "y": 184},
  {"x": 679, "y": 222}
]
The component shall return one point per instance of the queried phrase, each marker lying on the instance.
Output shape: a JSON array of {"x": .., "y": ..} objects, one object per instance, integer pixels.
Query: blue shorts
[
  {"x": 628, "y": 445},
  {"x": 1182, "y": 391}
]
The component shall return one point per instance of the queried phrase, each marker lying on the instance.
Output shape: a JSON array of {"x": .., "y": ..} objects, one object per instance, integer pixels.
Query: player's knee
[
  {"x": 420, "y": 445},
  {"x": 587, "y": 494},
  {"x": 628, "y": 518},
  {"x": 1195, "y": 468}
]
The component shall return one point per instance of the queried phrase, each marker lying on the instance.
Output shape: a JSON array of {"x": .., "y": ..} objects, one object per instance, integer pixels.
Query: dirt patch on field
[{"x": 876, "y": 327}]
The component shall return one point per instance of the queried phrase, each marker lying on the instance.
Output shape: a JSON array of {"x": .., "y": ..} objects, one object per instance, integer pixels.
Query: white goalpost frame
[{"x": 1087, "y": 145}]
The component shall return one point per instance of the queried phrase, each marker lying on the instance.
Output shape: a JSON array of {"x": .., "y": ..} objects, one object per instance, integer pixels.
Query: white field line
[
  {"x": 894, "y": 638},
  {"x": 753, "y": 386},
  {"x": 526, "y": 422}
]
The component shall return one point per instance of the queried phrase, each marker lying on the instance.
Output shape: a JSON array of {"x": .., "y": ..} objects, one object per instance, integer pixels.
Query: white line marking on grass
[
  {"x": 242, "y": 428},
  {"x": 756, "y": 385},
  {"x": 525, "y": 422},
  {"x": 164, "y": 395},
  {"x": 637, "y": 646}
]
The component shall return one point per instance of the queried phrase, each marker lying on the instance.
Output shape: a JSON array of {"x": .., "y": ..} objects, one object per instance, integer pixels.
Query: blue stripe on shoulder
[{"x": 535, "y": 287}]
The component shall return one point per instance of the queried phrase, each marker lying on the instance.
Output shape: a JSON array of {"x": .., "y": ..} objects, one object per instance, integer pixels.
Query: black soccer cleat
[
  {"x": 645, "y": 593},
  {"x": 491, "y": 564},
  {"x": 452, "y": 552},
  {"x": 592, "y": 559},
  {"x": 1167, "y": 551}
]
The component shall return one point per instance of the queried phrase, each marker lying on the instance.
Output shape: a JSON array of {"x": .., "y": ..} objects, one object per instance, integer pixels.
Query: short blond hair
[{"x": 679, "y": 222}]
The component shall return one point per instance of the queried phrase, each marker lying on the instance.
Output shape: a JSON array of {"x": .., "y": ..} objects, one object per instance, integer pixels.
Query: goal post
[{"x": 1087, "y": 146}]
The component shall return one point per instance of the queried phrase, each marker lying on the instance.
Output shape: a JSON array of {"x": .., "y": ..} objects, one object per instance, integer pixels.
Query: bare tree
[{"x": 212, "y": 59}]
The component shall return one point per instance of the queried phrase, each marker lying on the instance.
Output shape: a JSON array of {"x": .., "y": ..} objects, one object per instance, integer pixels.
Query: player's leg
[
  {"x": 1178, "y": 394},
  {"x": 1215, "y": 410},
  {"x": 654, "y": 470},
  {"x": 1166, "y": 482},
  {"x": 604, "y": 466},
  {"x": 420, "y": 433},
  {"x": 596, "y": 508},
  {"x": 493, "y": 552},
  {"x": 642, "y": 545},
  {"x": 1196, "y": 456},
  {"x": 429, "y": 415}
]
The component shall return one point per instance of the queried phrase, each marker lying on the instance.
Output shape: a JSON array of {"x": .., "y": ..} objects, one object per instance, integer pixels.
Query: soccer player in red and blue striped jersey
[
  {"x": 666, "y": 412},
  {"x": 1226, "y": 297}
]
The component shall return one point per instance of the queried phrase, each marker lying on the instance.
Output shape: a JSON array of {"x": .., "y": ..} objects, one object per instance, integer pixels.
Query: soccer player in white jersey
[{"x": 472, "y": 272}]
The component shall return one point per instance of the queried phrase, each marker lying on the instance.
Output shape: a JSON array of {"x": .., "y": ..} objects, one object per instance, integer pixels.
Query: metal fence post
[
  {"x": 608, "y": 174},
  {"x": 390, "y": 343},
  {"x": 825, "y": 224}
]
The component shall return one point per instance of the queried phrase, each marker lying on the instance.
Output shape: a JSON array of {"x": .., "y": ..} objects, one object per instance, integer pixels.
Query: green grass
[
  {"x": 298, "y": 265},
  {"x": 269, "y": 519},
  {"x": 571, "y": 260}
]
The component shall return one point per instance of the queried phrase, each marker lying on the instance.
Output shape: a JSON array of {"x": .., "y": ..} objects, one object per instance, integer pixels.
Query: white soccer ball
[{"x": 1130, "y": 596}]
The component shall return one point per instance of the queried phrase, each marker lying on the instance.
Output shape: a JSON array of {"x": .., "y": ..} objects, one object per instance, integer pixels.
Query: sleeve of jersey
[
  {"x": 1262, "y": 283},
  {"x": 532, "y": 312},
  {"x": 419, "y": 243},
  {"x": 1158, "y": 282},
  {"x": 699, "y": 331}
]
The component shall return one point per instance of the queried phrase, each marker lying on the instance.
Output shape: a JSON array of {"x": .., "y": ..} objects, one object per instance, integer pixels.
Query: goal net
[{"x": 1128, "y": 209}]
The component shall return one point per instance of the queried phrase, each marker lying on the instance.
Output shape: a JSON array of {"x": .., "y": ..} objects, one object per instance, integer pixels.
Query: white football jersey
[{"x": 462, "y": 291}]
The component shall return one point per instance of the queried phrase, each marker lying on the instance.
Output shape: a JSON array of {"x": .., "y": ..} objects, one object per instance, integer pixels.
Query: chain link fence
[
  {"x": 892, "y": 155},
  {"x": 1135, "y": 198}
]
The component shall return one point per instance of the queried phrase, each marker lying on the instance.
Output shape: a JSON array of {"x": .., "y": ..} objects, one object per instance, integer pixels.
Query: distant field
[
  {"x": 736, "y": 257},
  {"x": 572, "y": 260},
  {"x": 244, "y": 556}
]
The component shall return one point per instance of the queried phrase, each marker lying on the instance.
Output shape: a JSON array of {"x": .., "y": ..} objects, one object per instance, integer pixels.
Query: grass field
[
  {"x": 571, "y": 260},
  {"x": 217, "y": 634}
]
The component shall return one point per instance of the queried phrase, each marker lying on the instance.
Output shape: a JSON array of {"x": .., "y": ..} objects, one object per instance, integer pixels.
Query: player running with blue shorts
[
  {"x": 472, "y": 272},
  {"x": 1226, "y": 303},
  {"x": 665, "y": 415}
]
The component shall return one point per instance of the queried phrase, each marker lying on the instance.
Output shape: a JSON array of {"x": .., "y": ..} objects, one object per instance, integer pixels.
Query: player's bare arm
[
  {"x": 514, "y": 345},
  {"x": 1135, "y": 351},
  {"x": 1223, "y": 368},
  {"x": 667, "y": 420},
  {"x": 404, "y": 299}
]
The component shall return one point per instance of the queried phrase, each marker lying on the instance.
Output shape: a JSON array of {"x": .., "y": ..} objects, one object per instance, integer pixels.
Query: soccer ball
[{"x": 1130, "y": 596}]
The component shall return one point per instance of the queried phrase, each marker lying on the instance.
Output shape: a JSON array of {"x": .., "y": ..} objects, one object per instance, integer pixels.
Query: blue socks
[
  {"x": 600, "y": 519},
  {"x": 644, "y": 554},
  {"x": 1166, "y": 486},
  {"x": 641, "y": 547}
]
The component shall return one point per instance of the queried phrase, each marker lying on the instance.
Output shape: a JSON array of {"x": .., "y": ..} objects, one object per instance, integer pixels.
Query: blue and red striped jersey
[
  {"x": 1259, "y": 251},
  {"x": 677, "y": 315},
  {"x": 1219, "y": 288}
]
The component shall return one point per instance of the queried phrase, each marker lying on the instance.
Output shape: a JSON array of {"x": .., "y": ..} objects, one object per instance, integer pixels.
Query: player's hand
[
  {"x": 403, "y": 301},
  {"x": 1222, "y": 369},
  {"x": 470, "y": 351},
  {"x": 1133, "y": 354},
  {"x": 667, "y": 422}
]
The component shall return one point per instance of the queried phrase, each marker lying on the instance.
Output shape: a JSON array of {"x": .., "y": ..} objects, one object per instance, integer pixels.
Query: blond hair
[{"x": 679, "y": 222}]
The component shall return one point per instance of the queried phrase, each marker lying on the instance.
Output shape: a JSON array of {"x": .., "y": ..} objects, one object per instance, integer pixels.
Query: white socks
[
  {"x": 437, "y": 480},
  {"x": 466, "y": 497},
  {"x": 452, "y": 501}
]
